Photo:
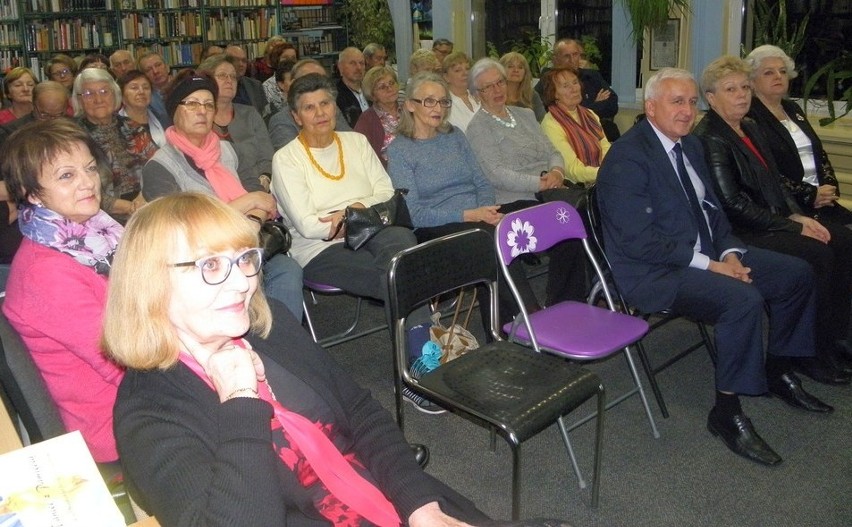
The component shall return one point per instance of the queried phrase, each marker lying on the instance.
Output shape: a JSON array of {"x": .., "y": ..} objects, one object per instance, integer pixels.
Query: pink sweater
[{"x": 57, "y": 305}]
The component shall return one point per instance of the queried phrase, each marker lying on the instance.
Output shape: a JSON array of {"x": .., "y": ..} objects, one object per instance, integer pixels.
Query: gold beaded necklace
[{"x": 317, "y": 165}]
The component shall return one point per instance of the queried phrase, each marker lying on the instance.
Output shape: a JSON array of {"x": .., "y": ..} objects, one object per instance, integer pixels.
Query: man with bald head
[
  {"x": 50, "y": 101},
  {"x": 350, "y": 100},
  {"x": 120, "y": 63}
]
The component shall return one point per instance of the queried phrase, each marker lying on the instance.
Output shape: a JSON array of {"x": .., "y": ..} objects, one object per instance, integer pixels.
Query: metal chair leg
[
  {"x": 652, "y": 378},
  {"x": 516, "y": 482},
  {"x": 596, "y": 482},
  {"x": 564, "y": 431},
  {"x": 638, "y": 382}
]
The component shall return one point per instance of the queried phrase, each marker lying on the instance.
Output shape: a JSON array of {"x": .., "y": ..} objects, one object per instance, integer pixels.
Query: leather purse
[
  {"x": 364, "y": 223},
  {"x": 274, "y": 239}
]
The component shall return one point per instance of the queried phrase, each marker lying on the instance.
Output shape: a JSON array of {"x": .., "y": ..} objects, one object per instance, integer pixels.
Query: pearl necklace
[
  {"x": 317, "y": 165},
  {"x": 510, "y": 124}
]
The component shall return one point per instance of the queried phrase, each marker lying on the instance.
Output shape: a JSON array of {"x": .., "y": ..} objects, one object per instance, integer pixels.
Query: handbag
[
  {"x": 444, "y": 343},
  {"x": 274, "y": 239},
  {"x": 364, "y": 223}
]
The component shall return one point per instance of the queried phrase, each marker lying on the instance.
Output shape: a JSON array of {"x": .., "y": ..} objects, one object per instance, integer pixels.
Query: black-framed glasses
[
  {"x": 194, "y": 106},
  {"x": 217, "y": 269},
  {"x": 430, "y": 102}
]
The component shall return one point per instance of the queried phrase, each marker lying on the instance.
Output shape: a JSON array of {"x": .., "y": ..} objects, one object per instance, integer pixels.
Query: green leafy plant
[
  {"x": 591, "y": 50},
  {"x": 770, "y": 27},
  {"x": 535, "y": 48},
  {"x": 835, "y": 79},
  {"x": 369, "y": 21},
  {"x": 651, "y": 14}
]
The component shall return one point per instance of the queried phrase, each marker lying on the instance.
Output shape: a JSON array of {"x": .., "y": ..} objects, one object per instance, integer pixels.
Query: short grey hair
[
  {"x": 371, "y": 49},
  {"x": 406, "y": 121},
  {"x": 481, "y": 66},
  {"x": 212, "y": 62},
  {"x": 94, "y": 75},
  {"x": 652, "y": 87},
  {"x": 768, "y": 51}
]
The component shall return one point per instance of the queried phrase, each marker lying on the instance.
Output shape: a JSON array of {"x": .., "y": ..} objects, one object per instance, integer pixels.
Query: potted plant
[
  {"x": 835, "y": 79},
  {"x": 369, "y": 21},
  {"x": 651, "y": 14}
]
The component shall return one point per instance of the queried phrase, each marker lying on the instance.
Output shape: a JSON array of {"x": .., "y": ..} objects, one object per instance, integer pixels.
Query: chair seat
[
  {"x": 575, "y": 329},
  {"x": 498, "y": 382}
]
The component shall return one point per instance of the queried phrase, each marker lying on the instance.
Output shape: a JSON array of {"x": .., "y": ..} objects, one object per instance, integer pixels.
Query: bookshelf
[{"x": 33, "y": 30}]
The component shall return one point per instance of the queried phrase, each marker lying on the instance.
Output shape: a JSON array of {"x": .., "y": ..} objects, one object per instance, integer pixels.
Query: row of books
[
  {"x": 8, "y": 9},
  {"x": 65, "y": 34},
  {"x": 9, "y": 59},
  {"x": 307, "y": 17},
  {"x": 64, "y": 6},
  {"x": 161, "y": 26},
  {"x": 174, "y": 53},
  {"x": 10, "y": 35},
  {"x": 159, "y": 4},
  {"x": 242, "y": 26}
]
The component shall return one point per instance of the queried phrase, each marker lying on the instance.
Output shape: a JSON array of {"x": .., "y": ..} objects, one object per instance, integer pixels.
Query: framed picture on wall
[{"x": 665, "y": 42}]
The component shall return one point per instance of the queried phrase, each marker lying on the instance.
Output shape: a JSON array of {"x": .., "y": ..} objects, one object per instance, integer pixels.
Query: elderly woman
[
  {"x": 136, "y": 97},
  {"x": 96, "y": 100},
  {"x": 18, "y": 88},
  {"x": 765, "y": 215},
  {"x": 276, "y": 87},
  {"x": 239, "y": 124},
  {"x": 62, "y": 69},
  {"x": 380, "y": 120},
  {"x": 229, "y": 414},
  {"x": 573, "y": 129},
  {"x": 456, "y": 71},
  {"x": 57, "y": 286},
  {"x": 794, "y": 144},
  {"x": 519, "y": 90},
  {"x": 196, "y": 160},
  {"x": 317, "y": 176}
]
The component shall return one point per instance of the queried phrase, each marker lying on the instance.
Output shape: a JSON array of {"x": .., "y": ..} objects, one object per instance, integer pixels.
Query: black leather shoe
[
  {"x": 837, "y": 360},
  {"x": 421, "y": 454},
  {"x": 789, "y": 389},
  {"x": 739, "y": 435},
  {"x": 818, "y": 371}
]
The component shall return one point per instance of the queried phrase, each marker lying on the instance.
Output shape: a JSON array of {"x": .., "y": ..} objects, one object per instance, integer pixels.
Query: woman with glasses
[
  {"x": 62, "y": 69},
  {"x": 18, "y": 88},
  {"x": 239, "y": 124},
  {"x": 136, "y": 97},
  {"x": 56, "y": 292},
  {"x": 195, "y": 159},
  {"x": 229, "y": 414},
  {"x": 380, "y": 120},
  {"x": 96, "y": 100},
  {"x": 456, "y": 70},
  {"x": 519, "y": 90}
]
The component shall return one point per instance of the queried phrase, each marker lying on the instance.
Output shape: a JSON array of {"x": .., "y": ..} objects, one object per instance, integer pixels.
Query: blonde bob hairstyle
[
  {"x": 721, "y": 68},
  {"x": 373, "y": 76},
  {"x": 137, "y": 331}
]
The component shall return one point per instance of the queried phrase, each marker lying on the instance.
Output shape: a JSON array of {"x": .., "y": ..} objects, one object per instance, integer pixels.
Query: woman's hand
[
  {"x": 255, "y": 200},
  {"x": 826, "y": 196},
  {"x": 335, "y": 219},
  {"x": 488, "y": 214},
  {"x": 551, "y": 179},
  {"x": 138, "y": 202},
  {"x": 233, "y": 370},
  {"x": 431, "y": 515},
  {"x": 812, "y": 228}
]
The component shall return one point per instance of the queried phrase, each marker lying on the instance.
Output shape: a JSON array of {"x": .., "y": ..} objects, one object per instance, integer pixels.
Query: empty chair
[
  {"x": 501, "y": 385},
  {"x": 568, "y": 329},
  {"x": 350, "y": 333}
]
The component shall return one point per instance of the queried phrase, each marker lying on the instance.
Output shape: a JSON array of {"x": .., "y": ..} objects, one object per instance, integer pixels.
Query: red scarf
[
  {"x": 333, "y": 469},
  {"x": 206, "y": 157},
  {"x": 584, "y": 134}
]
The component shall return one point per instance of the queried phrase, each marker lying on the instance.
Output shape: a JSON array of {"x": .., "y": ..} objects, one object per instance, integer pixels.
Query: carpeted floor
[{"x": 686, "y": 477}]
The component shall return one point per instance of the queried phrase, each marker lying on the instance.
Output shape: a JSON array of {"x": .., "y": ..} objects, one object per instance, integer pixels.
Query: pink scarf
[
  {"x": 584, "y": 134},
  {"x": 225, "y": 184},
  {"x": 332, "y": 468}
]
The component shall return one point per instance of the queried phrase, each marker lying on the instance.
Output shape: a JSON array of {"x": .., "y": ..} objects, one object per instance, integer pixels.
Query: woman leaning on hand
[
  {"x": 794, "y": 144},
  {"x": 196, "y": 160},
  {"x": 229, "y": 414},
  {"x": 764, "y": 214}
]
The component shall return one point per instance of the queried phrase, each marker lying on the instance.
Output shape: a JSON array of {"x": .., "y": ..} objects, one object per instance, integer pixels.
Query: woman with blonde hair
[
  {"x": 379, "y": 121},
  {"x": 456, "y": 71},
  {"x": 519, "y": 90}
]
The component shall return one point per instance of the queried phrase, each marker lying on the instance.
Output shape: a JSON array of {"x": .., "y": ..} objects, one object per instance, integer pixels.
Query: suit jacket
[
  {"x": 783, "y": 148},
  {"x": 349, "y": 106},
  {"x": 649, "y": 229},
  {"x": 751, "y": 193},
  {"x": 250, "y": 91}
]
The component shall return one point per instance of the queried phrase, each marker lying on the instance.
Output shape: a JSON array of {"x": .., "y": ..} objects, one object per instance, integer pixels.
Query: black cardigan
[{"x": 751, "y": 194}]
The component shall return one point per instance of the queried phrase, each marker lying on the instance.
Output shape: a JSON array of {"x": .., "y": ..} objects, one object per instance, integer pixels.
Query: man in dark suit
[
  {"x": 249, "y": 91},
  {"x": 350, "y": 98},
  {"x": 670, "y": 247}
]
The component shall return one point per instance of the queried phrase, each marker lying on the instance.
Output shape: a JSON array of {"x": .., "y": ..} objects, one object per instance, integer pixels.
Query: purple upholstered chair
[{"x": 570, "y": 329}]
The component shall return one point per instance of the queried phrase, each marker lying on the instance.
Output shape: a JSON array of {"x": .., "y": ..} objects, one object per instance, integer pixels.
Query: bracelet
[
  {"x": 235, "y": 392},
  {"x": 543, "y": 173},
  {"x": 254, "y": 217}
]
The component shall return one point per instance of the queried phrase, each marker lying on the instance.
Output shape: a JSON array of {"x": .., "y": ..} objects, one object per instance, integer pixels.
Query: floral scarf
[
  {"x": 92, "y": 243},
  {"x": 389, "y": 124}
]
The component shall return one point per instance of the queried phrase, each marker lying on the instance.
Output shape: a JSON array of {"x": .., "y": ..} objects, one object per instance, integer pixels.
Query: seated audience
[
  {"x": 667, "y": 251},
  {"x": 239, "y": 124},
  {"x": 62, "y": 69},
  {"x": 136, "y": 96},
  {"x": 573, "y": 129},
  {"x": 380, "y": 120},
  {"x": 18, "y": 87},
  {"x": 374, "y": 55},
  {"x": 121, "y": 62},
  {"x": 441, "y": 47},
  {"x": 196, "y": 160},
  {"x": 456, "y": 70},
  {"x": 211, "y": 50},
  {"x": 234, "y": 416},
  {"x": 57, "y": 286},
  {"x": 158, "y": 72},
  {"x": 423, "y": 60},
  {"x": 764, "y": 214},
  {"x": 96, "y": 60},
  {"x": 249, "y": 90},
  {"x": 350, "y": 97},
  {"x": 50, "y": 99},
  {"x": 264, "y": 67},
  {"x": 805, "y": 167},
  {"x": 275, "y": 88},
  {"x": 519, "y": 91}
]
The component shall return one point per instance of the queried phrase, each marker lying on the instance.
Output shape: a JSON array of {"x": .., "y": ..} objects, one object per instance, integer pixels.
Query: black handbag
[
  {"x": 274, "y": 239},
  {"x": 364, "y": 223}
]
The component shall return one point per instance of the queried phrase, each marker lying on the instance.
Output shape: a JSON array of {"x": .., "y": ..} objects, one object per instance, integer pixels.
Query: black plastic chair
[
  {"x": 502, "y": 386},
  {"x": 661, "y": 318}
]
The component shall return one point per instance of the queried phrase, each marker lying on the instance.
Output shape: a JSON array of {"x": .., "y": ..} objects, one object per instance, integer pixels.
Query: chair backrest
[
  {"x": 593, "y": 214},
  {"x": 25, "y": 387},
  {"x": 537, "y": 228},
  {"x": 433, "y": 268}
]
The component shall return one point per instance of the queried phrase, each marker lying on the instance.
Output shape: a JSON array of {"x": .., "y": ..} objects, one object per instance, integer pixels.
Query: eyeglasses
[
  {"x": 64, "y": 72},
  {"x": 194, "y": 106},
  {"x": 429, "y": 102},
  {"x": 217, "y": 269},
  {"x": 387, "y": 86},
  {"x": 489, "y": 87},
  {"x": 44, "y": 116},
  {"x": 226, "y": 77},
  {"x": 88, "y": 94}
]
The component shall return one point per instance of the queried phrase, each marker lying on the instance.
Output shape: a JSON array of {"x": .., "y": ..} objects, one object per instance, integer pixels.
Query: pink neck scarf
[
  {"x": 225, "y": 184},
  {"x": 332, "y": 468}
]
